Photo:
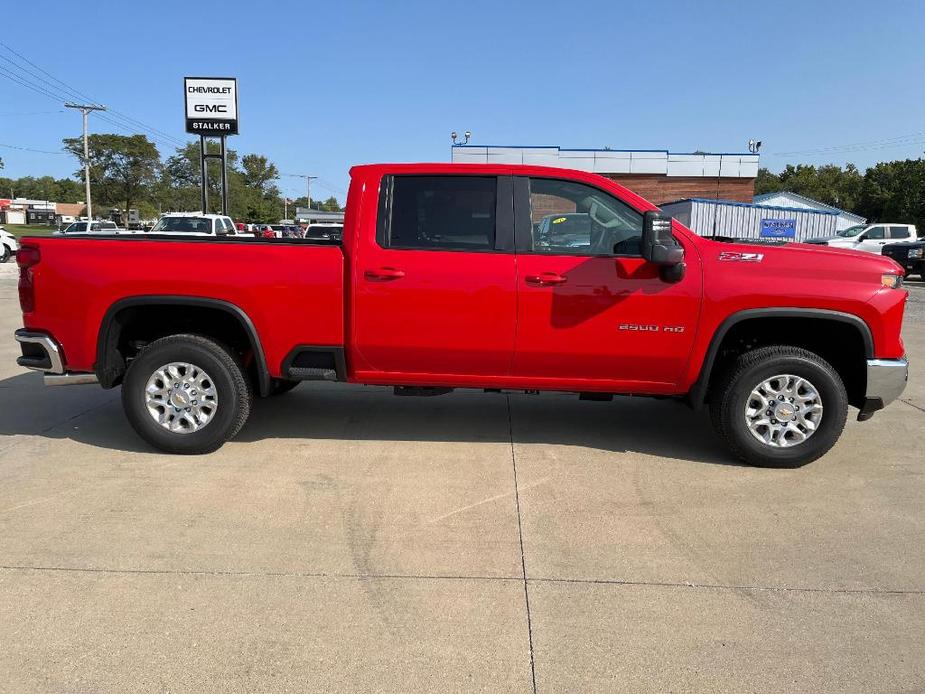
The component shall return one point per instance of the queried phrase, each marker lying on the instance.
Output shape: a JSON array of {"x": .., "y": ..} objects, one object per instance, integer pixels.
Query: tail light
[{"x": 27, "y": 258}]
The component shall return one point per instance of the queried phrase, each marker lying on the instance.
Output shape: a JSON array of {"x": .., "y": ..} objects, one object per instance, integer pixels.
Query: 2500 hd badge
[{"x": 636, "y": 327}]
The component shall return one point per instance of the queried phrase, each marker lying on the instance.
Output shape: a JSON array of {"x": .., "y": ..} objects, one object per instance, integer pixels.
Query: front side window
[
  {"x": 875, "y": 234},
  {"x": 570, "y": 218},
  {"x": 899, "y": 233},
  {"x": 454, "y": 213},
  {"x": 851, "y": 232}
]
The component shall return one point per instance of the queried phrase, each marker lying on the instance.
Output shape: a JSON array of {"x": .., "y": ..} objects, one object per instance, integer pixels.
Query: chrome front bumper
[
  {"x": 40, "y": 352},
  {"x": 886, "y": 380}
]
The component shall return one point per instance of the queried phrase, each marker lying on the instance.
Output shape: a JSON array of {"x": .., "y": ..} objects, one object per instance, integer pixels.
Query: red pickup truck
[{"x": 461, "y": 276}]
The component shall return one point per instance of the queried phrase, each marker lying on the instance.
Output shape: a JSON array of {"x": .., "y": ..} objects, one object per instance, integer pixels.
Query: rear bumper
[
  {"x": 886, "y": 380},
  {"x": 40, "y": 352}
]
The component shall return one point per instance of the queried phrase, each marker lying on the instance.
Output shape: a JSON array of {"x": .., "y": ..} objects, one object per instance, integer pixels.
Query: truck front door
[
  {"x": 591, "y": 310},
  {"x": 435, "y": 292}
]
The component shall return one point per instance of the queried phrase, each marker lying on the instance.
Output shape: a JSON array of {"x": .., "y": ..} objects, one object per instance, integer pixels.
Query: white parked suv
[
  {"x": 9, "y": 244},
  {"x": 869, "y": 237},
  {"x": 196, "y": 224}
]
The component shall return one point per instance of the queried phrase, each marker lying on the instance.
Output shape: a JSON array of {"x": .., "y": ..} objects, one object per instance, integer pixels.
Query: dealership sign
[
  {"x": 211, "y": 105},
  {"x": 778, "y": 228}
]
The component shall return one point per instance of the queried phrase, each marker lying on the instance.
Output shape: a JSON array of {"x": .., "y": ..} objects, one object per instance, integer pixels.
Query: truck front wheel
[
  {"x": 185, "y": 394},
  {"x": 779, "y": 406}
]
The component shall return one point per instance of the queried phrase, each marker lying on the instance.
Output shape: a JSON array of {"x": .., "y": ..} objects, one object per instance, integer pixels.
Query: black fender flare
[
  {"x": 697, "y": 394},
  {"x": 107, "y": 377}
]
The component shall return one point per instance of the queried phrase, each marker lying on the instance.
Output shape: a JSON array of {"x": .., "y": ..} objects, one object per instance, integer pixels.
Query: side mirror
[{"x": 658, "y": 243}]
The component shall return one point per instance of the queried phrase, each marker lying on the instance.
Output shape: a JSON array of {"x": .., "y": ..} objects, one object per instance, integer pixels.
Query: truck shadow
[{"x": 340, "y": 412}]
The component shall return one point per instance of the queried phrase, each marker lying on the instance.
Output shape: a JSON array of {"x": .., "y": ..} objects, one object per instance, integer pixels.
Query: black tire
[
  {"x": 232, "y": 390},
  {"x": 5, "y": 254},
  {"x": 729, "y": 397},
  {"x": 278, "y": 386}
]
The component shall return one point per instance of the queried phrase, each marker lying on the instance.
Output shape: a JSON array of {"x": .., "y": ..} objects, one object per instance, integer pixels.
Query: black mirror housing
[{"x": 658, "y": 243}]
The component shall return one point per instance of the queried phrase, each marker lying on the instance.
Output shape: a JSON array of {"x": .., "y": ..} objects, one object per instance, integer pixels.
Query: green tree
[
  {"x": 830, "y": 183},
  {"x": 894, "y": 191},
  {"x": 178, "y": 186},
  {"x": 329, "y": 205},
  {"x": 767, "y": 182},
  {"x": 122, "y": 167},
  {"x": 260, "y": 174}
]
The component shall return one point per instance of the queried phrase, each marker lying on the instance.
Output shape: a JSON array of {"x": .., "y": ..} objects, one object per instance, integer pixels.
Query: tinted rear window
[
  {"x": 442, "y": 213},
  {"x": 187, "y": 224}
]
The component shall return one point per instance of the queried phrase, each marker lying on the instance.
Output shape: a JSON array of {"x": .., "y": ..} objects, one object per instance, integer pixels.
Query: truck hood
[{"x": 803, "y": 255}]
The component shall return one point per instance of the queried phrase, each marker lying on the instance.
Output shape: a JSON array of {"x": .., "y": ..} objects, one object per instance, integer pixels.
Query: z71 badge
[
  {"x": 735, "y": 257},
  {"x": 638, "y": 328}
]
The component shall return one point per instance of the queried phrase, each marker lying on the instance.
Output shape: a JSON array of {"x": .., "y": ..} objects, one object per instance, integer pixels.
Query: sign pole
[
  {"x": 203, "y": 172},
  {"x": 224, "y": 177}
]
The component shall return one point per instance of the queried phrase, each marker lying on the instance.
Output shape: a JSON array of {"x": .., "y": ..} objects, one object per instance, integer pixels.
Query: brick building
[{"x": 657, "y": 175}]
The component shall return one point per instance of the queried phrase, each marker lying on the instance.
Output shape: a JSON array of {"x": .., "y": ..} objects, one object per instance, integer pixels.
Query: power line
[
  {"x": 14, "y": 78},
  {"x": 884, "y": 143},
  {"x": 59, "y": 98},
  {"x": 30, "y": 149},
  {"x": 34, "y": 81},
  {"x": 81, "y": 95},
  {"x": 27, "y": 113},
  {"x": 327, "y": 185}
]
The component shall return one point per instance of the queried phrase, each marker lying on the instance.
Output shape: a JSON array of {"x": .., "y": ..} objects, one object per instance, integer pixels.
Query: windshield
[
  {"x": 851, "y": 231},
  {"x": 193, "y": 225}
]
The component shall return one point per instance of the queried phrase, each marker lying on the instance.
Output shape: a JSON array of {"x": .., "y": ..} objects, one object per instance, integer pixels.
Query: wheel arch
[
  {"x": 698, "y": 392},
  {"x": 110, "y": 366}
]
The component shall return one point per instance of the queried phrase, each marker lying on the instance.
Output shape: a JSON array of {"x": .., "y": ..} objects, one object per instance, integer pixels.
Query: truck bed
[{"x": 292, "y": 291}]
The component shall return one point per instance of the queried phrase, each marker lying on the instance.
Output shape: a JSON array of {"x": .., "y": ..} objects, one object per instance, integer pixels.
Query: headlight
[
  {"x": 915, "y": 253},
  {"x": 891, "y": 281}
]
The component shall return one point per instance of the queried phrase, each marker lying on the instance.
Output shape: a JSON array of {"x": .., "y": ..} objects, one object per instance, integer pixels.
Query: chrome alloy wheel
[
  {"x": 181, "y": 397},
  {"x": 783, "y": 411}
]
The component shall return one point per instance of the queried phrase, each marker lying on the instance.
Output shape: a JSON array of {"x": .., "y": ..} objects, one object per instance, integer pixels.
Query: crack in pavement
[
  {"x": 10, "y": 568},
  {"x": 910, "y": 404},
  {"x": 520, "y": 534}
]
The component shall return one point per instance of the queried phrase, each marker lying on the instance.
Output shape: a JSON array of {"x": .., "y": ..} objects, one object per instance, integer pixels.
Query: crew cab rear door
[
  {"x": 435, "y": 290},
  {"x": 591, "y": 311}
]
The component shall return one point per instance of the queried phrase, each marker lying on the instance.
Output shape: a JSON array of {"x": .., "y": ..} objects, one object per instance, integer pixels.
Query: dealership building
[{"x": 656, "y": 174}]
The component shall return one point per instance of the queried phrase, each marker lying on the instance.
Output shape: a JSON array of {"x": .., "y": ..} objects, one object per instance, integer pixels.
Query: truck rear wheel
[
  {"x": 779, "y": 407},
  {"x": 185, "y": 394}
]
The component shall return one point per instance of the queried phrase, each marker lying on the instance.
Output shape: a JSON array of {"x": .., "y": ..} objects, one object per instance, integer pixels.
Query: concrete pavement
[{"x": 349, "y": 540}]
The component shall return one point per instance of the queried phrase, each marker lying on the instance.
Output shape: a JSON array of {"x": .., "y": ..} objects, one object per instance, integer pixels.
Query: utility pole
[
  {"x": 85, "y": 110},
  {"x": 308, "y": 185}
]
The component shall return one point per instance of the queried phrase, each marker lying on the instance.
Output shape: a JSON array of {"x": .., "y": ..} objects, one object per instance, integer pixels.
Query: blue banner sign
[{"x": 778, "y": 228}]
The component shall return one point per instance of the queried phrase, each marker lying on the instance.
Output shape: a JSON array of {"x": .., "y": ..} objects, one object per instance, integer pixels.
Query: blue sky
[{"x": 324, "y": 86}]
